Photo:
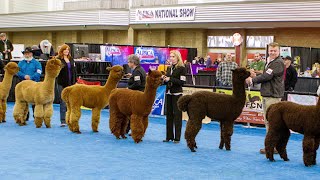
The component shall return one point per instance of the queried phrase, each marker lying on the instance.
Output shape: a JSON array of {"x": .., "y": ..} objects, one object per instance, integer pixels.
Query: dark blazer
[
  {"x": 137, "y": 81},
  {"x": 63, "y": 77},
  {"x": 177, "y": 79},
  {"x": 9, "y": 46}
]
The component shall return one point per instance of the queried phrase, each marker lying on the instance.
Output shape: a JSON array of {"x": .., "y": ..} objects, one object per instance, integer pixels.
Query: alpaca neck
[
  {"x": 149, "y": 94},
  {"x": 239, "y": 90},
  {"x": 49, "y": 82},
  {"x": 7, "y": 81},
  {"x": 110, "y": 85}
]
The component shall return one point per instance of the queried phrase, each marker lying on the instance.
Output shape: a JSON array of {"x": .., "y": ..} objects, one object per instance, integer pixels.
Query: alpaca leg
[
  {"x": 124, "y": 126},
  {"x": 316, "y": 146},
  {"x": 95, "y": 119},
  {"x": 145, "y": 123},
  {"x": 193, "y": 127},
  {"x": 48, "y": 111},
  {"x": 68, "y": 114},
  {"x": 115, "y": 121},
  {"x": 271, "y": 140},
  {"x": 282, "y": 144},
  {"x": 18, "y": 112},
  {"x": 136, "y": 128},
  {"x": 221, "y": 135},
  {"x": 308, "y": 150},
  {"x": 227, "y": 133},
  {"x": 26, "y": 111},
  {"x": 2, "y": 111},
  {"x": 74, "y": 119},
  {"x": 38, "y": 115},
  {"x": 4, "y": 108}
]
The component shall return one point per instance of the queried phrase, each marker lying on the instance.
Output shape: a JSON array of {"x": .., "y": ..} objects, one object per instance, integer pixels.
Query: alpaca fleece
[
  {"x": 137, "y": 105},
  {"x": 286, "y": 115},
  {"x": 39, "y": 93},
  {"x": 10, "y": 70},
  {"x": 95, "y": 97},
  {"x": 222, "y": 107}
]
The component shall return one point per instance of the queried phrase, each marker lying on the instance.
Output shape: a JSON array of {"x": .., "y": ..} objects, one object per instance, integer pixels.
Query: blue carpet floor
[{"x": 56, "y": 153}]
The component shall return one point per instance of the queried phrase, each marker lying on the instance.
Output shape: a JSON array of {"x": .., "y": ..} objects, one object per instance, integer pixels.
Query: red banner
[{"x": 183, "y": 52}]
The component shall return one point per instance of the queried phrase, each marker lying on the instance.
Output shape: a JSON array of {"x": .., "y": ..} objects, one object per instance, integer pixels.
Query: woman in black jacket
[
  {"x": 174, "y": 80},
  {"x": 67, "y": 77}
]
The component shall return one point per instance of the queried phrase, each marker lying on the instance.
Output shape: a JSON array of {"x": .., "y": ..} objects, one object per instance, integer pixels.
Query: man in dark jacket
[
  {"x": 137, "y": 80},
  {"x": 6, "y": 47},
  {"x": 272, "y": 83},
  {"x": 291, "y": 77}
]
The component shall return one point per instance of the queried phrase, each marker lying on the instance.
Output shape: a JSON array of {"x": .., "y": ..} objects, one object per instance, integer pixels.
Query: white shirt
[{"x": 318, "y": 92}]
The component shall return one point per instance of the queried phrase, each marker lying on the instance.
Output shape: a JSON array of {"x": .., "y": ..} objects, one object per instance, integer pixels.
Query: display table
[
  {"x": 152, "y": 66},
  {"x": 196, "y": 67}
]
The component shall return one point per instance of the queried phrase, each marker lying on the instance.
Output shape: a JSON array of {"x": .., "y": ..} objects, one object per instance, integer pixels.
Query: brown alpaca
[
  {"x": 10, "y": 70},
  {"x": 95, "y": 97},
  {"x": 137, "y": 105},
  {"x": 286, "y": 115},
  {"x": 39, "y": 93},
  {"x": 222, "y": 107}
]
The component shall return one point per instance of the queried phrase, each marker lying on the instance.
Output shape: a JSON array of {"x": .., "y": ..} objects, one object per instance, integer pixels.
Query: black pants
[
  {"x": 174, "y": 117},
  {"x": 29, "y": 112}
]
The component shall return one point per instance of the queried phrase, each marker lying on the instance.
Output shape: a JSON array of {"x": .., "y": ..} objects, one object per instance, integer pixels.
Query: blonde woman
[{"x": 174, "y": 80}]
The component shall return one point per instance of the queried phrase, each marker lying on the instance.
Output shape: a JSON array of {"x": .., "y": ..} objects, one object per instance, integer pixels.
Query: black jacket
[
  {"x": 291, "y": 78},
  {"x": 272, "y": 84},
  {"x": 63, "y": 77},
  {"x": 137, "y": 81},
  {"x": 177, "y": 79},
  {"x": 9, "y": 46}
]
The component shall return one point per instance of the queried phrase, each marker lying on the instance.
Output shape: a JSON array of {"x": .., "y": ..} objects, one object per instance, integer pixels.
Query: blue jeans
[{"x": 63, "y": 107}]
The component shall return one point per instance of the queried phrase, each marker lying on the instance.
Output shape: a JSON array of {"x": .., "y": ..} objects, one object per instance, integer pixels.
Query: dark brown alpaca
[
  {"x": 137, "y": 105},
  {"x": 286, "y": 115},
  {"x": 222, "y": 107}
]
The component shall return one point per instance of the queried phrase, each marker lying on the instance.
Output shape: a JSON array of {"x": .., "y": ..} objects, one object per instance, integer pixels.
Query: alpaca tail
[
  {"x": 268, "y": 110},
  {"x": 65, "y": 94},
  {"x": 183, "y": 102}
]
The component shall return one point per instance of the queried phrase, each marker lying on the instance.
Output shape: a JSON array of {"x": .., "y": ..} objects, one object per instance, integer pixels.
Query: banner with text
[
  {"x": 117, "y": 55},
  {"x": 158, "y": 105},
  {"x": 252, "y": 111},
  {"x": 163, "y": 14}
]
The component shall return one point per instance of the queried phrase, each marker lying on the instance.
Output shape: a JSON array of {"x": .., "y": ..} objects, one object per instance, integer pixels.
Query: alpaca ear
[
  {"x": 109, "y": 69},
  {"x": 149, "y": 72}
]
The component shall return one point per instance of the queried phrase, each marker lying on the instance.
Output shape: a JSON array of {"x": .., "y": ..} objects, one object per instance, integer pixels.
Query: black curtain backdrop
[
  {"x": 315, "y": 55},
  {"x": 305, "y": 56}
]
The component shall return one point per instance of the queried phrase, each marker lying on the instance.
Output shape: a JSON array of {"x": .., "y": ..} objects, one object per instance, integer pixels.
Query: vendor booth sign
[
  {"x": 163, "y": 14},
  {"x": 252, "y": 111}
]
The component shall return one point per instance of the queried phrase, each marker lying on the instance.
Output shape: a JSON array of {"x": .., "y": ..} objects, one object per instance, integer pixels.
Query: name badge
[
  {"x": 183, "y": 78},
  {"x": 269, "y": 71},
  {"x": 137, "y": 78}
]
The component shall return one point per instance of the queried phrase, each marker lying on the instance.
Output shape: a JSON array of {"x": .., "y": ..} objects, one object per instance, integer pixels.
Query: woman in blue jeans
[{"x": 67, "y": 77}]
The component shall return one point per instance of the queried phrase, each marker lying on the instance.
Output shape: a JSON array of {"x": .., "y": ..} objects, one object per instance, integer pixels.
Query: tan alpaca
[
  {"x": 137, "y": 105},
  {"x": 39, "y": 93},
  {"x": 95, "y": 97},
  {"x": 10, "y": 70}
]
